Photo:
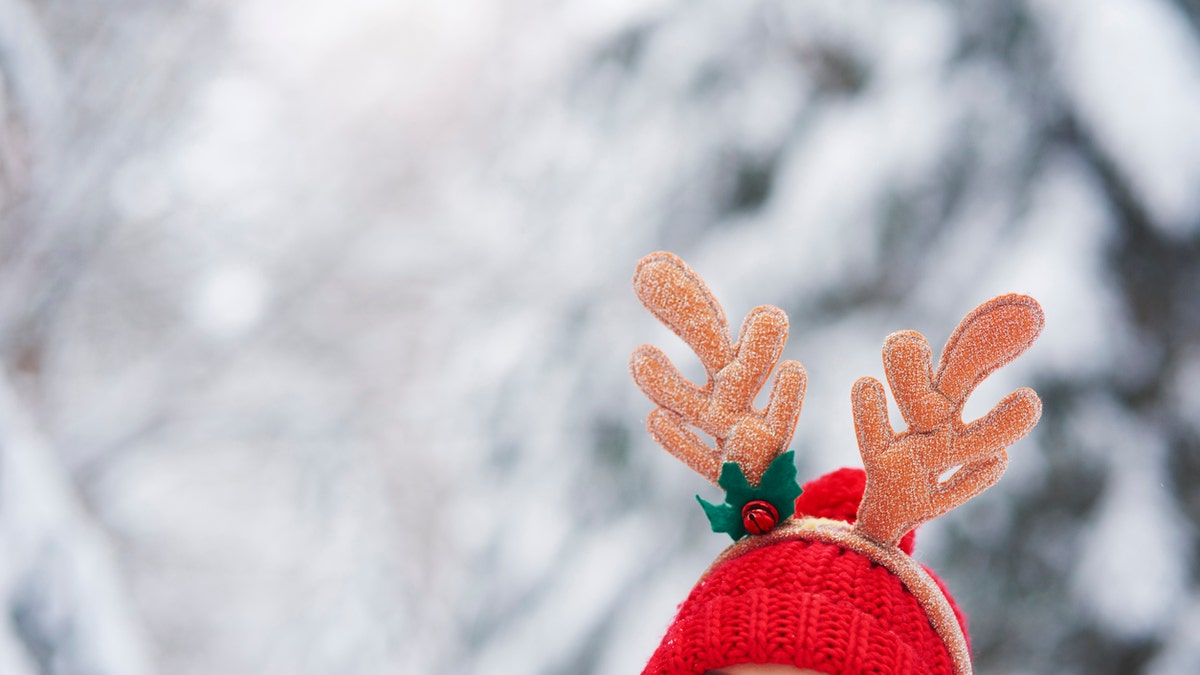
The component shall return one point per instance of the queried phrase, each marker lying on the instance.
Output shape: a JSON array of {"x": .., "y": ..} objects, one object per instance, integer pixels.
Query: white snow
[
  {"x": 1132, "y": 68},
  {"x": 1132, "y": 570}
]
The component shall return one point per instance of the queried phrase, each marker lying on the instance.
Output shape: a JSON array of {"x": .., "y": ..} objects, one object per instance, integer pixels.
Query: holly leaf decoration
[{"x": 777, "y": 487}]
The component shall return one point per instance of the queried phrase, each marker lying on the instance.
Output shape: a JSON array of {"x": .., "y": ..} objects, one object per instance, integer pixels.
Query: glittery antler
[
  {"x": 724, "y": 407},
  {"x": 904, "y": 486}
]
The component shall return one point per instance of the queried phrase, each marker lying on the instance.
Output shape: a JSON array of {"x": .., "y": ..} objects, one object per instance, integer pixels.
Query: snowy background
[{"x": 314, "y": 317}]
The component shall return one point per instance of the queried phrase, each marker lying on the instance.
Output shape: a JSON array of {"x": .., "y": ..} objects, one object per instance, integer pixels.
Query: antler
[
  {"x": 904, "y": 488},
  {"x": 724, "y": 407}
]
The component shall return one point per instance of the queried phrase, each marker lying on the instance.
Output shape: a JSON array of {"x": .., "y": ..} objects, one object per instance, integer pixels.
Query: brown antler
[
  {"x": 904, "y": 486},
  {"x": 724, "y": 407}
]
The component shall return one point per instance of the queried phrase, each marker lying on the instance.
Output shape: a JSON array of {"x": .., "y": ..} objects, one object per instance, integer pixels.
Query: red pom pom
[{"x": 836, "y": 495}]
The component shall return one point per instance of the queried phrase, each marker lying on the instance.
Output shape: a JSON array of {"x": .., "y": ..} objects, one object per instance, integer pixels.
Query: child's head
[
  {"x": 805, "y": 603},
  {"x": 821, "y": 579}
]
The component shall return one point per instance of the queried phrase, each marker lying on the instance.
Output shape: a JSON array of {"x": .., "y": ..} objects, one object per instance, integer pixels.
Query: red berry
[{"x": 759, "y": 517}]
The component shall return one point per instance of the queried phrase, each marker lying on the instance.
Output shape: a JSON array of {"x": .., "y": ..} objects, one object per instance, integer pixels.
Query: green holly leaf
[
  {"x": 777, "y": 487},
  {"x": 780, "y": 486},
  {"x": 724, "y": 518},
  {"x": 734, "y": 482}
]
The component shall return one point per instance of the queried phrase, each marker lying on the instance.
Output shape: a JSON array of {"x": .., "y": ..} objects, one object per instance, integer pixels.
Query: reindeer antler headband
[{"x": 904, "y": 485}]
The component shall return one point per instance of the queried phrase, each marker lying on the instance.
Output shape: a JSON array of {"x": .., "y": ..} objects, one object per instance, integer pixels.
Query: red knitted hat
[
  {"x": 822, "y": 578},
  {"x": 805, "y": 603}
]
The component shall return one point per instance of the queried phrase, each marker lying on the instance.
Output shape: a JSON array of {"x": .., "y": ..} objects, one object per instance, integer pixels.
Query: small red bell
[{"x": 759, "y": 517}]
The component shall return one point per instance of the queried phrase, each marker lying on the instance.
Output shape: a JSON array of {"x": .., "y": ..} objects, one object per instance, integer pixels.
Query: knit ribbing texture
[{"x": 808, "y": 604}]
